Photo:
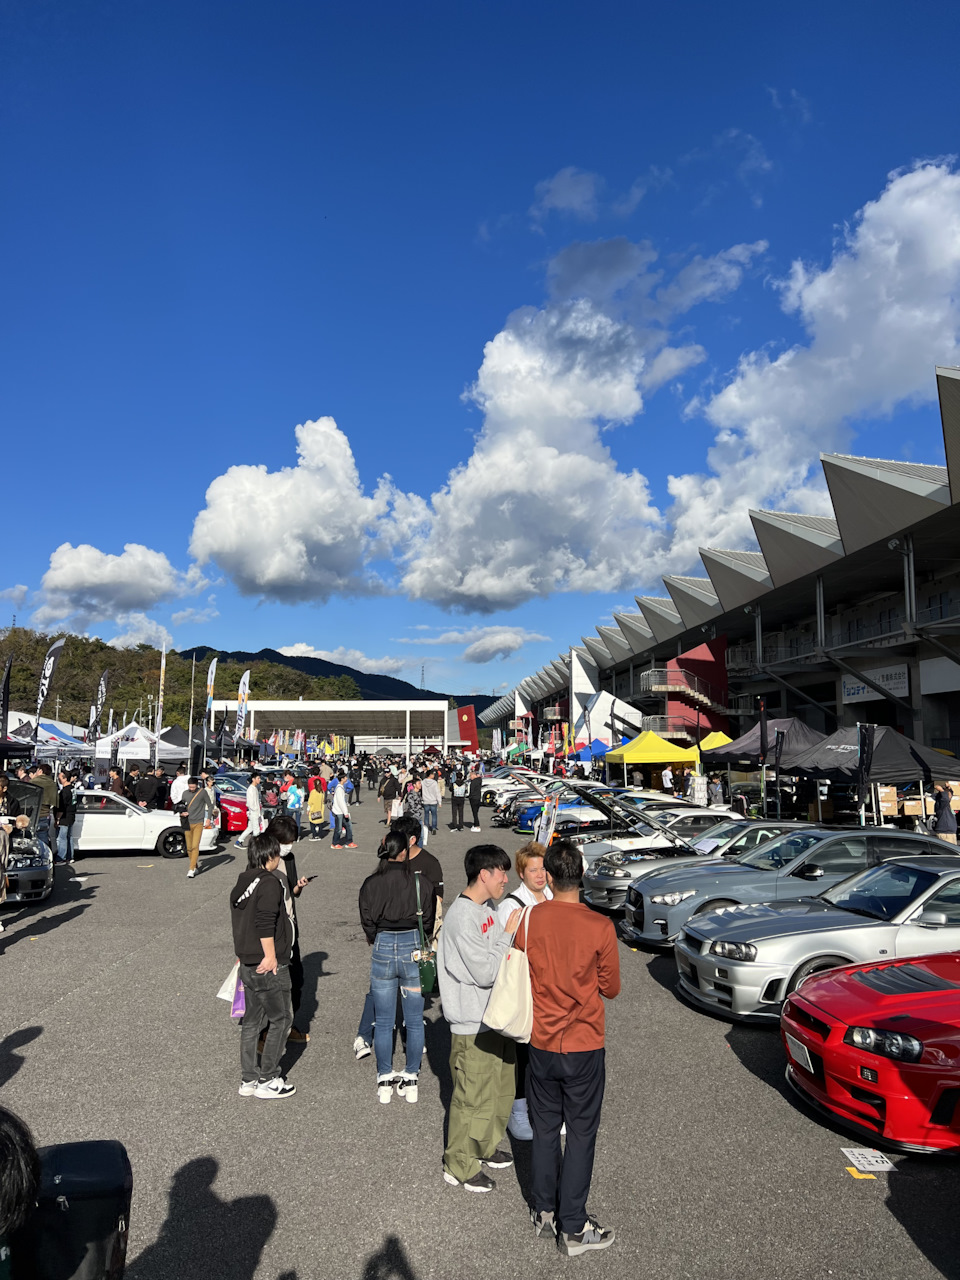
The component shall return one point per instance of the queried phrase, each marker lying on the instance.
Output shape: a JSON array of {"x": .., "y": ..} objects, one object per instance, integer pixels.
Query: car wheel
[
  {"x": 489, "y": 797},
  {"x": 818, "y": 965},
  {"x": 172, "y": 843},
  {"x": 715, "y": 905}
]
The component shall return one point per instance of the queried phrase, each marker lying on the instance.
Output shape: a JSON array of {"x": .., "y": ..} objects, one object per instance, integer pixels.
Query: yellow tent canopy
[
  {"x": 714, "y": 740},
  {"x": 650, "y": 748}
]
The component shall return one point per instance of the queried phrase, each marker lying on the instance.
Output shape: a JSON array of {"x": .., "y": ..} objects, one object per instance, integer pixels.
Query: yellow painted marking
[
  {"x": 855, "y": 1173},
  {"x": 35, "y": 938},
  {"x": 148, "y": 866}
]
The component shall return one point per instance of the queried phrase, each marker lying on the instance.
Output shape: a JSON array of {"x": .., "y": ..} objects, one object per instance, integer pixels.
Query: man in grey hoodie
[{"x": 482, "y": 1062}]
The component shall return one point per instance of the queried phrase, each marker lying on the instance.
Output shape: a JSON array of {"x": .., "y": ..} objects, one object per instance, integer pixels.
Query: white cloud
[
  {"x": 483, "y": 643},
  {"x": 86, "y": 585},
  {"x": 879, "y": 316},
  {"x": 707, "y": 279},
  {"x": 16, "y": 594},
  {"x": 140, "y": 630},
  {"x": 195, "y": 616},
  {"x": 348, "y": 658},
  {"x": 670, "y": 363},
  {"x": 571, "y": 190},
  {"x": 305, "y": 532}
]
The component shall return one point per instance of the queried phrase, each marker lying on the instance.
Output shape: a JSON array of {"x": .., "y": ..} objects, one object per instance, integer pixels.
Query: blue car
[{"x": 529, "y": 815}]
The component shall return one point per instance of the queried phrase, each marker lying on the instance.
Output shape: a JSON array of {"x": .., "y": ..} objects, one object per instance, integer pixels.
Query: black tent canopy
[
  {"x": 744, "y": 752},
  {"x": 896, "y": 759}
]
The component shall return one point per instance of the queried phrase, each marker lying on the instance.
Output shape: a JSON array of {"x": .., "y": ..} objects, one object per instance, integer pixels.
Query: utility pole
[{"x": 423, "y": 669}]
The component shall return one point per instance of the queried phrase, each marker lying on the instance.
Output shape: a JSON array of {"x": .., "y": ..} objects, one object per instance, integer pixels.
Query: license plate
[{"x": 799, "y": 1053}]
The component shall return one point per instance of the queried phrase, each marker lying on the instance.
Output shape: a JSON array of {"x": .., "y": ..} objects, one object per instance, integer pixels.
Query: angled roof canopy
[
  {"x": 948, "y": 388},
  {"x": 695, "y": 599},
  {"x": 661, "y": 615},
  {"x": 794, "y": 545},
  {"x": 874, "y": 498},
  {"x": 600, "y": 655},
  {"x": 615, "y": 641},
  {"x": 635, "y": 630},
  {"x": 737, "y": 576}
]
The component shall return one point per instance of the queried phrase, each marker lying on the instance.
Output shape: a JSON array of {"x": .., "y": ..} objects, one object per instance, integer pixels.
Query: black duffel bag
[{"x": 79, "y": 1228}]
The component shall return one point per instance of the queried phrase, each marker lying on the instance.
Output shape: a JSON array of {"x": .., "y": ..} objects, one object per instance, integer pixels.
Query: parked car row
[{"x": 862, "y": 976}]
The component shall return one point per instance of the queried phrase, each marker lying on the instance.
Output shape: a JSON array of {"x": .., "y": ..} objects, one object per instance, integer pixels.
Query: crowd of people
[{"x": 539, "y": 1092}]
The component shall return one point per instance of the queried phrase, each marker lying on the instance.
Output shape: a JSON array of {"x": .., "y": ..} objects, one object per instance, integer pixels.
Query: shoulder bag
[
  {"x": 426, "y": 957},
  {"x": 510, "y": 1007}
]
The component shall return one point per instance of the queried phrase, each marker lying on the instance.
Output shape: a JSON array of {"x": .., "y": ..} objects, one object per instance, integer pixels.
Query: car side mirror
[
  {"x": 809, "y": 871},
  {"x": 933, "y": 919}
]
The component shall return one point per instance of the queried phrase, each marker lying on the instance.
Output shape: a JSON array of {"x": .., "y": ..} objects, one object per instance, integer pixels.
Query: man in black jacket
[
  {"x": 474, "y": 793},
  {"x": 263, "y": 937}
]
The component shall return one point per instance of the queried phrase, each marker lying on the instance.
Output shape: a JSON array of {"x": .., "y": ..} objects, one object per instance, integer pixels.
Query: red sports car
[{"x": 877, "y": 1047}]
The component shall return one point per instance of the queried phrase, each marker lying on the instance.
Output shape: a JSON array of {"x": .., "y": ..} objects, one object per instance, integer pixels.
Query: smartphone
[{"x": 309, "y": 878}]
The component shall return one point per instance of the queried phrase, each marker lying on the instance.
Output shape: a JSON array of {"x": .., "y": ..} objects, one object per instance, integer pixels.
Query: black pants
[
  {"x": 564, "y": 1088},
  {"x": 475, "y": 810},
  {"x": 296, "y": 976},
  {"x": 523, "y": 1061},
  {"x": 456, "y": 807}
]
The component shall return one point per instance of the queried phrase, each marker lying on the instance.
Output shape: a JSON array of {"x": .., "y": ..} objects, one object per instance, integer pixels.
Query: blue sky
[{"x": 553, "y": 292}]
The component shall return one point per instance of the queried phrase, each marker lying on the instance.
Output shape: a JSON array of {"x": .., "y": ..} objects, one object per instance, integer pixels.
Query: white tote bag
[
  {"x": 510, "y": 1007},
  {"x": 229, "y": 988}
]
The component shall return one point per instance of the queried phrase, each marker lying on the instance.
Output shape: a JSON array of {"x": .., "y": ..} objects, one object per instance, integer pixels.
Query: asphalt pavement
[{"x": 705, "y": 1164}]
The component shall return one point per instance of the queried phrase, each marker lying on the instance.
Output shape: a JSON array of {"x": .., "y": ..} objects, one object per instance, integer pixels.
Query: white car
[
  {"x": 105, "y": 822},
  {"x": 496, "y": 790}
]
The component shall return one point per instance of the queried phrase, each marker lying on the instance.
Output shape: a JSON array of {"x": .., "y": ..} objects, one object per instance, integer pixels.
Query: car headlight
[
  {"x": 888, "y": 1044},
  {"x": 671, "y": 899},
  {"x": 619, "y": 873},
  {"x": 734, "y": 950}
]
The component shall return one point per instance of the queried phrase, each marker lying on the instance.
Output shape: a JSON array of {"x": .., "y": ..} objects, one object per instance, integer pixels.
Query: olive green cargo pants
[{"x": 484, "y": 1070}]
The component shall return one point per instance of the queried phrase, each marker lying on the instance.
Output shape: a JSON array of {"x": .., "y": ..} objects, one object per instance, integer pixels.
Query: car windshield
[
  {"x": 881, "y": 892},
  {"x": 717, "y": 835},
  {"x": 776, "y": 854}
]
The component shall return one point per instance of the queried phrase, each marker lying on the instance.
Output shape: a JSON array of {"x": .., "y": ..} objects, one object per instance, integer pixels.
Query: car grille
[
  {"x": 634, "y": 897},
  {"x": 945, "y": 1109},
  {"x": 799, "y": 1014},
  {"x": 692, "y": 941},
  {"x": 637, "y": 904},
  {"x": 905, "y": 979}
]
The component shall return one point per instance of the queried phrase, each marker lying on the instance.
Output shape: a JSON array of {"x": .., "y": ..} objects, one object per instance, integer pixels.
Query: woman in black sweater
[{"x": 388, "y": 913}]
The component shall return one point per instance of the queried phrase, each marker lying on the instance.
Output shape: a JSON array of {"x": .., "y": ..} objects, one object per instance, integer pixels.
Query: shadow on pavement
[
  {"x": 390, "y": 1263},
  {"x": 923, "y": 1197},
  {"x": 34, "y": 926},
  {"x": 204, "y": 1237},
  {"x": 760, "y": 1049},
  {"x": 437, "y": 1048},
  {"x": 10, "y": 1060},
  {"x": 312, "y": 973},
  {"x": 663, "y": 969}
]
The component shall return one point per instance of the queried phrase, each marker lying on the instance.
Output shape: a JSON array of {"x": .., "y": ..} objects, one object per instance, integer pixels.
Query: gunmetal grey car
[
  {"x": 30, "y": 864},
  {"x": 608, "y": 880},
  {"x": 745, "y": 961},
  {"x": 658, "y": 907}
]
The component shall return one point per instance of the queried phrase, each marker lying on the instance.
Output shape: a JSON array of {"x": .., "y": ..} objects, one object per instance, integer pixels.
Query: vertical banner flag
[
  {"x": 5, "y": 700},
  {"x": 866, "y": 736},
  {"x": 98, "y": 707},
  {"x": 211, "y": 676},
  {"x": 158, "y": 723},
  {"x": 46, "y": 676},
  {"x": 242, "y": 702}
]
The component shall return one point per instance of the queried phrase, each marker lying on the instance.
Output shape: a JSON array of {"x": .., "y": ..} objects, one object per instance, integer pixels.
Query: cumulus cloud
[
  {"x": 347, "y": 658},
  {"x": 139, "y": 629},
  {"x": 305, "y": 532},
  {"x": 16, "y": 594},
  {"x": 483, "y": 643},
  {"x": 84, "y": 584},
  {"x": 196, "y": 616},
  {"x": 571, "y": 190},
  {"x": 878, "y": 317}
]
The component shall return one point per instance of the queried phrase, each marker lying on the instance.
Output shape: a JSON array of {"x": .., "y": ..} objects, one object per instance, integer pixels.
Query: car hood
[
  {"x": 761, "y": 921},
  {"x": 917, "y": 992},
  {"x": 710, "y": 871},
  {"x": 29, "y": 796}
]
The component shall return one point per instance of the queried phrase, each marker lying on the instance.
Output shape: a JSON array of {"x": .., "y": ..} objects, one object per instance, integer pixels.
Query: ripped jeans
[{"x": 393, "y": 966}]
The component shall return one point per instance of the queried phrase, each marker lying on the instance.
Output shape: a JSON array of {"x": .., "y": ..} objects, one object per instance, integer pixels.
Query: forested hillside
[{"x": 134, "y": 679}]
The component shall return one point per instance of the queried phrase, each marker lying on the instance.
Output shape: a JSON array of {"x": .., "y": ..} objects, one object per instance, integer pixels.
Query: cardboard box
[
  {"x": 826, "y": 811},
  {"x": 888, "y": 801},
  {"x": 955, "y": 798},
  {"x": 911, "y": 808}
]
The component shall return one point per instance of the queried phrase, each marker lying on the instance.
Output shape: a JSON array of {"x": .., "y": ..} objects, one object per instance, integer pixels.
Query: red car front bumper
[
  {"x": 914, "y": 1106},
  {"x": 233, "y": 813}
]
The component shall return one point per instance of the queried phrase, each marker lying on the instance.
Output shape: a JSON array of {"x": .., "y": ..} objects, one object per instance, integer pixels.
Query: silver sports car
[{"x": 744, "y": 961}]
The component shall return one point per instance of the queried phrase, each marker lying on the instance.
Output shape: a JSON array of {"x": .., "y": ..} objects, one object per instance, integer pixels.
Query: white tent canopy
[{"x": 134, "y": 742}]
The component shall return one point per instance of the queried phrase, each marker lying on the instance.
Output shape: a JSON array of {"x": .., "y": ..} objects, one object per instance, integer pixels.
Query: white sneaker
[
  {"x": 275, "y": 1088},
  {"x": 384, "y": 1088},
  {"x": 191, "y": 873},
  {"x": 519, "y": 1123},
  {"x": 248, "y": 1088},
  {"x": 360, "y": 1048},
  {"x": 474, "y": 828},
  {"x": 408, "y": 1087}
]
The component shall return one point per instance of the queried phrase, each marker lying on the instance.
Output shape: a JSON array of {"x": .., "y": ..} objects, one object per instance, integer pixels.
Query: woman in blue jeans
[{"x": 388, "y": 914}]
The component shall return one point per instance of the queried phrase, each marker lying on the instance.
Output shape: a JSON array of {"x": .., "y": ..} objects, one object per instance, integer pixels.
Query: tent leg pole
[{"x": 923, "y": 805}]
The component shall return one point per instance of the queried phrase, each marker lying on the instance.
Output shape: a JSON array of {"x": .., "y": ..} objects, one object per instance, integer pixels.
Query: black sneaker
[
  {"x": 593, "y": 1236},
  {"x": 479, "y": 1182},
  {"x": 544, "y": 1222},
  {"x": 501, "y": 1159}
]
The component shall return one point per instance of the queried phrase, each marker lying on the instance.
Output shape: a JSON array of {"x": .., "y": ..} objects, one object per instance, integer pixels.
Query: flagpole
[{"x": 193, "y": 673}]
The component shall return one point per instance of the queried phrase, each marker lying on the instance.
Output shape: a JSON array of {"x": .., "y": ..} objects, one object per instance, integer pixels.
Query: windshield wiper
[{"x": 857, "y": 911}]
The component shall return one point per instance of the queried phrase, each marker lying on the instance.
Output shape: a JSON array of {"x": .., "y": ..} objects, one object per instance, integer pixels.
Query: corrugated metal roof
[{"x": 822, "y": 524}]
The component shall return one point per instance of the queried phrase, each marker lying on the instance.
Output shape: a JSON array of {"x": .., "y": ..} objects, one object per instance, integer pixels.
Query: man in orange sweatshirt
[{"x": 574, "y": 965}]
